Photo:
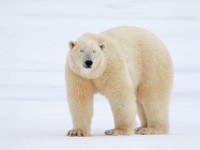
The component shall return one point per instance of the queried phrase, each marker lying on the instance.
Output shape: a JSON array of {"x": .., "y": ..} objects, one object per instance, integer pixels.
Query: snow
[{"x": 33, "y": 46}]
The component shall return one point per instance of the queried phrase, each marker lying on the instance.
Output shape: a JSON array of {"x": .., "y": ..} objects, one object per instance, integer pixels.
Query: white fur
[{"x": 132, "y": 68}]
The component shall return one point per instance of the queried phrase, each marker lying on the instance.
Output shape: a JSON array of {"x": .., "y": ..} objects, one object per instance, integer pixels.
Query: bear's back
[{"x": 126, "y": 33}]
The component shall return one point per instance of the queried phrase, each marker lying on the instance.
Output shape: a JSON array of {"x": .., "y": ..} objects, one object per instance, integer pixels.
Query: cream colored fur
[{"x": 132, "y": 68}]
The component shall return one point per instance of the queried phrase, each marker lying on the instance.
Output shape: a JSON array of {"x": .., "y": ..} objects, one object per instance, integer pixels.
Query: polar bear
[{"x": 132, "y": 68}]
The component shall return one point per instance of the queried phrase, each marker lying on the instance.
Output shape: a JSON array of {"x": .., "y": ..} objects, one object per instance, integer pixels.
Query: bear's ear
[
  {"x": 71, "y": 44},
  {"x": 102, "y": 46}
]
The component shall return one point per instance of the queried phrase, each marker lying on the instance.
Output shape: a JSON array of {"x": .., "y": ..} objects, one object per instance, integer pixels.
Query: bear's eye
[
  {"x": 81, "y": 50},
  {"x": 94, "y": 51}
]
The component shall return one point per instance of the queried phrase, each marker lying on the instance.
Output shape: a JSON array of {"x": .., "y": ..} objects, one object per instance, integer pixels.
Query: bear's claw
[
  {"x": 149, "y": 131},
  {"x": 112, "y": 132},
  {"x": 77, "y": 132},
  {"x": 116, "y": 132}
]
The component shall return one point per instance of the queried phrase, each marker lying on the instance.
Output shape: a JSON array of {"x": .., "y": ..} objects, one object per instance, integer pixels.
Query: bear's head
[{"x": 86, "y": 56}]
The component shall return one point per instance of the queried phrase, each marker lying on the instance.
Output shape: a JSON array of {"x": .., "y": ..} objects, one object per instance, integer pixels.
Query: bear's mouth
[{"x": 88, "y": 64}]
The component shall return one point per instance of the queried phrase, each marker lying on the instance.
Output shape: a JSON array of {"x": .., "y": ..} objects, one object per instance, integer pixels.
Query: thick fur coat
[{"x": 132, "y": 68}]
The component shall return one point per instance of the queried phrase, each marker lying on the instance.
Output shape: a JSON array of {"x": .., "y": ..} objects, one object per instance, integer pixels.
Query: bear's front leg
[
  {"x": 80, "y": 98},
  {"x": 123, "y": 105},
  {"x": 81, "y": 113}
]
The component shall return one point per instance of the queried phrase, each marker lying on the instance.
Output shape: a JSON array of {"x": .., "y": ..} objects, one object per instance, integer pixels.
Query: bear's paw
[{"x": 77, "y": 132}]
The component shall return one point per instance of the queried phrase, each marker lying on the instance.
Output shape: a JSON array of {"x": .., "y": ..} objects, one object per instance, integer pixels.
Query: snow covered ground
[{"x": 33, "y": 46}]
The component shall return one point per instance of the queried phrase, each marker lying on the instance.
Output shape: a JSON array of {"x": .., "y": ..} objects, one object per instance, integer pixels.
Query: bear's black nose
[{"x": 88, "y": 64}]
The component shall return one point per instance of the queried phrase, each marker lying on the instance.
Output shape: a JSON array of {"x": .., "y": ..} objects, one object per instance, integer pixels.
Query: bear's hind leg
[{"x": 142, "y": 116}]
